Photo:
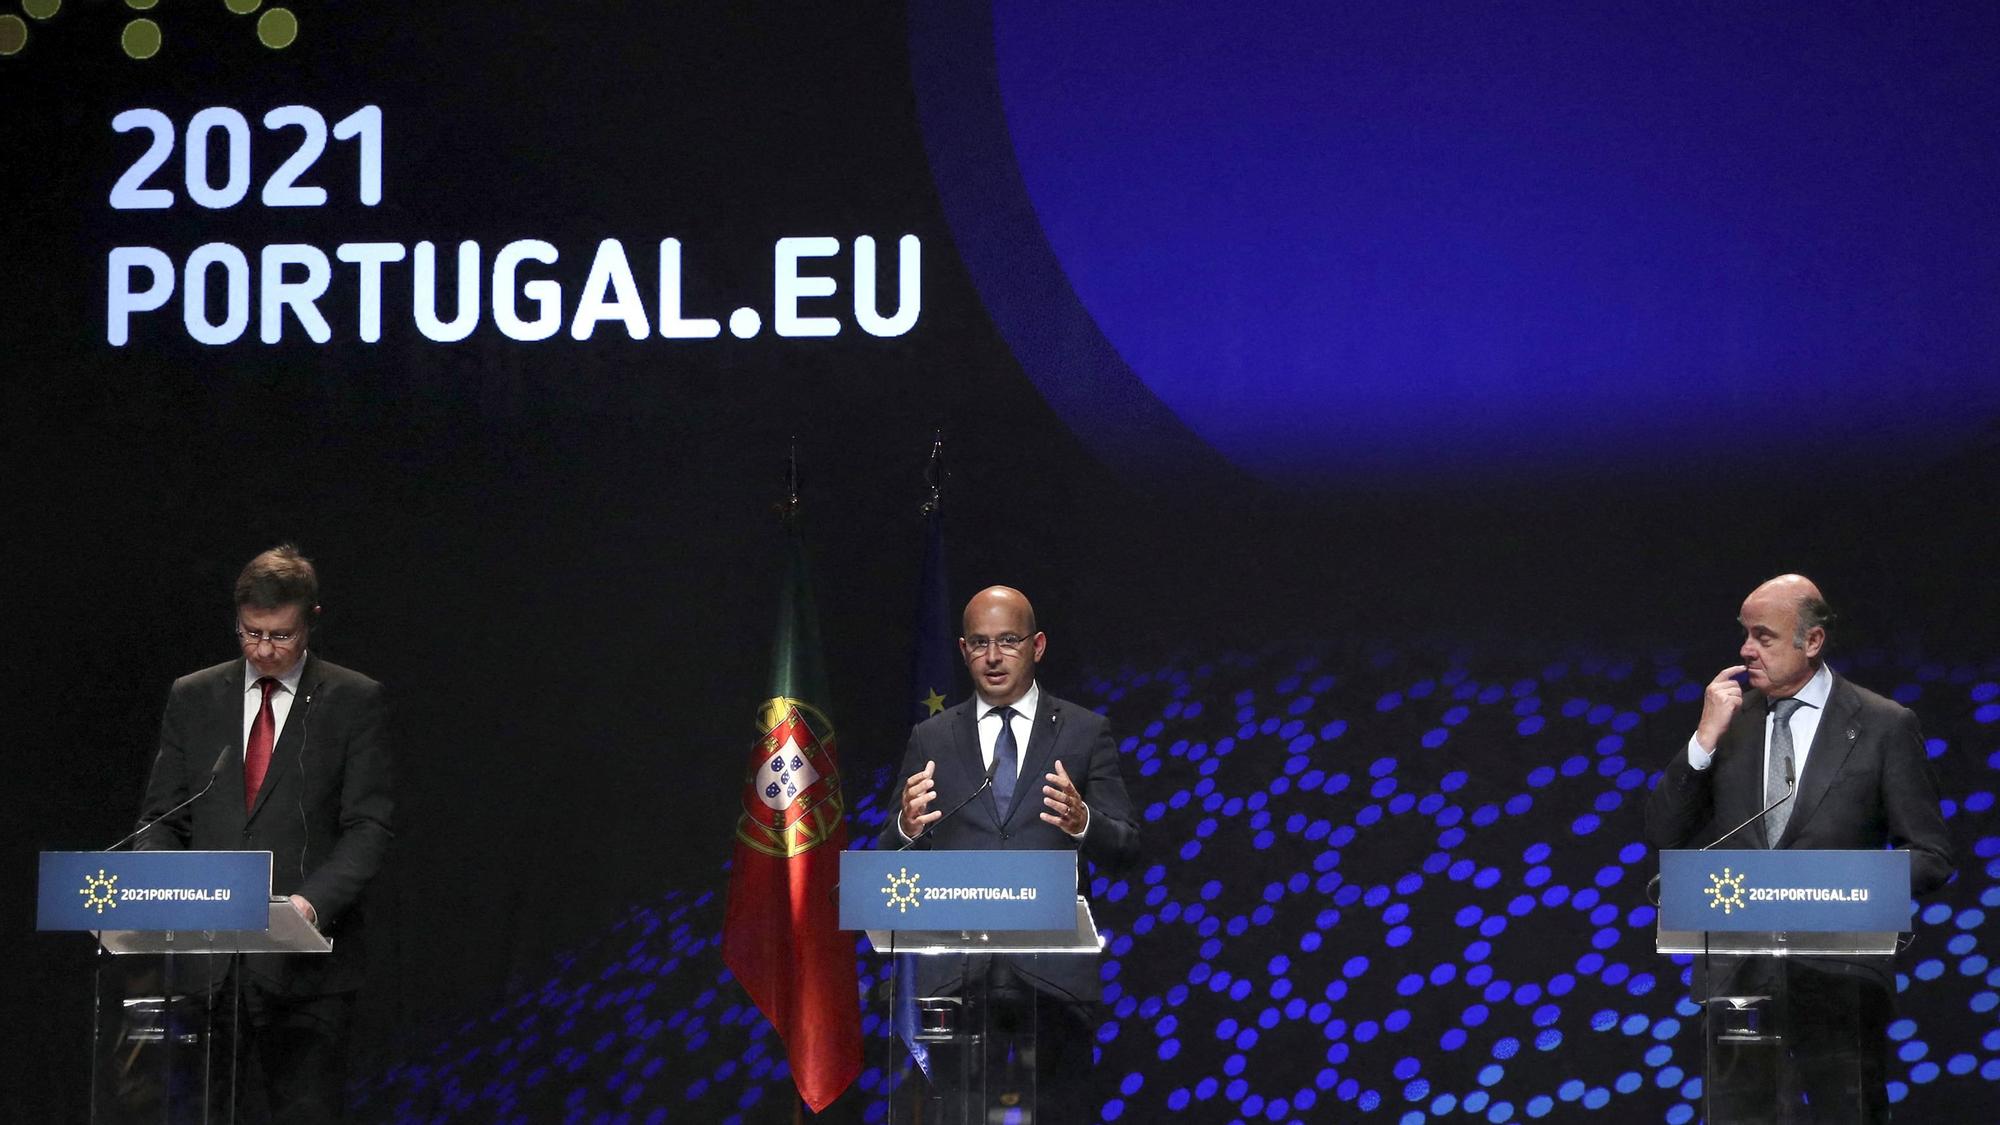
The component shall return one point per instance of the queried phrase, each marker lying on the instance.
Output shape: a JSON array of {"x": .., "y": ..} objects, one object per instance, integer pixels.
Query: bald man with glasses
[{"x": 1057, "y": 785}]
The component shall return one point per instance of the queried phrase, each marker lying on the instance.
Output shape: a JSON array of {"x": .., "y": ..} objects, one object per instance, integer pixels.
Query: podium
[
  {"x": 1793, "y": 973},
  {"x": 972, "y": 1054},
  {"x": 162, "y": 1028}
]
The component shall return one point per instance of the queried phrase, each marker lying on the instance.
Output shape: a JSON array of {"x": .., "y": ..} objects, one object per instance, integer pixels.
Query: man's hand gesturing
[{"x": 918, "y": 792}]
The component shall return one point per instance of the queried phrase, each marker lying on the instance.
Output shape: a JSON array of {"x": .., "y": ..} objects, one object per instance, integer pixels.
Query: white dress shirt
[
  {"x": 281, "y": 698},
  {"x": 1023, "y": 722}
]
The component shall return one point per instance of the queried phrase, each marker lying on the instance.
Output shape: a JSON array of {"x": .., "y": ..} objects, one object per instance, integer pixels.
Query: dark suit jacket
[
  {"x": 1063, "y": 732},
  {"x": 323, "y": 811},
  {"x": 1867, "y": 783}
]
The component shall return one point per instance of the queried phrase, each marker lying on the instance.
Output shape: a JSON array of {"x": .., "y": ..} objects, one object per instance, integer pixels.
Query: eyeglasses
[
  {"x": 254, "y": 637},
  {"x": 1008, "y": 644}
]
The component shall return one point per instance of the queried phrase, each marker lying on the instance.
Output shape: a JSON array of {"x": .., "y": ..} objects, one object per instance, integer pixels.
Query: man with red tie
[{"x": 299, "y": 763}]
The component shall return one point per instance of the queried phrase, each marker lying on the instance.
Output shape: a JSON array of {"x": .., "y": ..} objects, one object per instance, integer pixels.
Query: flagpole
[
  {"x": 789, "y": 507},
  {"x": 934, "y": 473},
  {"x": 781, "y": 936}
]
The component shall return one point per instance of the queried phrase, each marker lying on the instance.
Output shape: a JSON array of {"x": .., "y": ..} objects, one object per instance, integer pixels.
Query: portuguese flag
[{"x": 780, "y": 936}]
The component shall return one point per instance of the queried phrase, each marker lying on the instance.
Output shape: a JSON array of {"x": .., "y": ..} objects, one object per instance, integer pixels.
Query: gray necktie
[
  {"x": 1006, "y": 762},
  {"x": 1776, "y": 766}
]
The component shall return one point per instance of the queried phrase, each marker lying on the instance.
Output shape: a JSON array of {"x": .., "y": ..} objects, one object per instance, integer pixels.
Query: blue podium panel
[
  {"x": 1783, "y": 890},
  {"x": 958, "y": 890},
  {"x": 154, "y": 891}
]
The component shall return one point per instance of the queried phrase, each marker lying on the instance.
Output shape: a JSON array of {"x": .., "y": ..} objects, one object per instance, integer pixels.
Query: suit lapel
[
  {"x": 1749, "y": 767},
  {"x": 1036, "y": 756},
  {"x": 966, "y": 757},
  {"x": 1831, "y": 744},
  {"x": 228, "y": 709},
  {"x": 286, "y": 752}
]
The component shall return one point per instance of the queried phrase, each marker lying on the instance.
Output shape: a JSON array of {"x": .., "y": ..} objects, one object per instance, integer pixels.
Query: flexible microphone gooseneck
[
  {"x": 1790, "y": 788},
  {"x": 214, "y": 772},
  {"x": 925, "y": 834},
  {"x": 1653, "y": 884}
]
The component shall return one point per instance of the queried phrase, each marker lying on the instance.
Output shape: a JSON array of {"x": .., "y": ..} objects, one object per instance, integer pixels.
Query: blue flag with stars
[
  {"x": 934, "y": 659},
  {"x": 933, "y": 663}
]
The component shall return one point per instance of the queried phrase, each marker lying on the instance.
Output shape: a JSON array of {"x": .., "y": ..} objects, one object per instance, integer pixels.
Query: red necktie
[{"x": 257, "y": 752}]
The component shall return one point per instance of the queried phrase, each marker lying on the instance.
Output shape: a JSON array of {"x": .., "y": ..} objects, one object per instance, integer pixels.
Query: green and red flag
[{"x": 781, "y": 935}]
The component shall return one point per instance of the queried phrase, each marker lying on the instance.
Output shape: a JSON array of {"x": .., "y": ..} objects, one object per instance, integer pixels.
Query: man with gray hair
[
  {"x": 1841, "y": 768},
  {"x": 1795, "y": 707}
]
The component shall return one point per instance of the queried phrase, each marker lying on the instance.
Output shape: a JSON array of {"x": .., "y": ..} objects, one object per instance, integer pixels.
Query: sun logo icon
[
  {"x": 1726, "y": 891},
  {"x": 902, "y": 890},
  {"x": 98, "y": 891}
]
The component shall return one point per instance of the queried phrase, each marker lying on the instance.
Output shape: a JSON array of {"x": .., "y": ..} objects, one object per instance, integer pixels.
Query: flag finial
[{"x": 934, "y": 473}]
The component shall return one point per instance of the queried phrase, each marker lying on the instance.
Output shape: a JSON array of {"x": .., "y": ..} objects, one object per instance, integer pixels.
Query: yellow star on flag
[{"x": 934, "y": 701}]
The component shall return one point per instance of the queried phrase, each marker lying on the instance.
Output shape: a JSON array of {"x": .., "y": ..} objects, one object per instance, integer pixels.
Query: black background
[{"x": 562, "y": 557}]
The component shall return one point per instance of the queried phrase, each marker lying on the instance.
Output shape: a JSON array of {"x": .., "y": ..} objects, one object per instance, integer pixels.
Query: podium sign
[
  {"x": 1791, "y": 954},
  {"x": 958, "y": 890},
  {"x": 1785, "y": 891},
  {"x": 100, "y": 891}
]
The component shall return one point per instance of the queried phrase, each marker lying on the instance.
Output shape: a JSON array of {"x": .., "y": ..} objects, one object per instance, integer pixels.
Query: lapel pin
[{"x": 1850, "y": 734}]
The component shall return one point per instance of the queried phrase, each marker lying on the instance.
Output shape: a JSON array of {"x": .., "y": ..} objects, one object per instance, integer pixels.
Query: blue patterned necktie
[
  {"x": 1776, "y": 766},
  {"x": 1006, "y": 762}
]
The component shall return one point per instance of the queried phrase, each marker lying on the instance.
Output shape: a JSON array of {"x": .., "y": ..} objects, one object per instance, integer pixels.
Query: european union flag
[
  {"x": 933, "y": 661},
  {"x": 934, "y": 658}
]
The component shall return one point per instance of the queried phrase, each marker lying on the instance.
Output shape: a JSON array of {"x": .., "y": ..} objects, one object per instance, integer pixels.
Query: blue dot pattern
[{"x": 1386, "y": 885}]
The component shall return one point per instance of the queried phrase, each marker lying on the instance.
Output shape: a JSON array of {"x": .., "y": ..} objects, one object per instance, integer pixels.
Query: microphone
[
  {"x": 214, "y": 772},
  {"x": 1790, "y": 788},
  {"x": 1653, "y": 884},
  {"x": 983, "y": 787}
]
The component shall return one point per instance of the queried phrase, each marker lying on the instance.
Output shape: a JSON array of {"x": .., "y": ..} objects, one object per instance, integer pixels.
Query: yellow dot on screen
[
  {"x": 141, "y": 5},
  {"x": 242, "y": 7},
  {"x": 141, "y": 39},
  {"x": 41, "y": 9},
  {"x": 277, "y": 28},
  {"x": 13, "y": 34}
]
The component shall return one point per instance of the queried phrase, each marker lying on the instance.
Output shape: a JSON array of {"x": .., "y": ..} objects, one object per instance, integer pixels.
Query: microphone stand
[{"x": 1653, "y": 885}]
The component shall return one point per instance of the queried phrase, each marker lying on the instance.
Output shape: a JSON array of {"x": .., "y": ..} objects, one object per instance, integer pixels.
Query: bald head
[
  {"x": 1006, "y": 599},
  {"x": 1784, "y": 627},
  {"x": 1800, "y": 594},
  {"x": 1001, "y": 644},
  {"x": 1797, "y": 587}
]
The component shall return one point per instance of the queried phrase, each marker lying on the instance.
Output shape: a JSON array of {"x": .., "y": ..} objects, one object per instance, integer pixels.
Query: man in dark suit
[
  {"x": 301, "y": 770},
  {"x": 1855, "y": 766},
  {"x": 1056, "y": 785}
]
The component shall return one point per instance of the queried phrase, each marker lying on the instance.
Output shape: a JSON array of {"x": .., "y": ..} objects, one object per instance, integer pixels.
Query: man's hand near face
[{"x": 1719, "y": 704}]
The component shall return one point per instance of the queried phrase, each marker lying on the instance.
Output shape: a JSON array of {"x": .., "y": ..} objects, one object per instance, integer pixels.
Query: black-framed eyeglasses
[
  {"x": 255, "y": 637},
  {"x": 1009, "y": 644}
]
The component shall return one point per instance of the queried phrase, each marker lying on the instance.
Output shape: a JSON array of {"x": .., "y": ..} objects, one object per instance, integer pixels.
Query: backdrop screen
[{"x": 1387, "y": 411}]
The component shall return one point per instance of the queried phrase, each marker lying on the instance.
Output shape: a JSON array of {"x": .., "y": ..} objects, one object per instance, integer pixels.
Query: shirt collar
[
  {"x": 1024, "y": 707},
  {"x": 1817, "y": 689},
  {"x": 289, "y": 681}
]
